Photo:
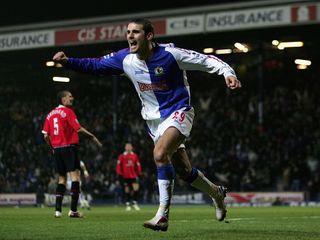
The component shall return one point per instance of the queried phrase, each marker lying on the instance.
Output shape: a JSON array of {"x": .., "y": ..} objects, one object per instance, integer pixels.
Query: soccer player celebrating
[
  {"x": 61, "y": 128},
  {"x": 158, "y": 73}
]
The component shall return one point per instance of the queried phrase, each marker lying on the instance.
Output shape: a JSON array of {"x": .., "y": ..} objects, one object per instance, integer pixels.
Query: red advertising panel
[
  {"x": 303, "y": 13},
  {"x": 101, "y": 33}
]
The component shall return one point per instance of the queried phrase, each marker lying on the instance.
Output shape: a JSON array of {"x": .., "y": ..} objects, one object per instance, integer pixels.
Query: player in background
[
  {"x": 84, "y": 197},
  {"x": 60, "y": 130},
  {"x": 129, "y": 169},
  {"x": 158, "y": 73}
]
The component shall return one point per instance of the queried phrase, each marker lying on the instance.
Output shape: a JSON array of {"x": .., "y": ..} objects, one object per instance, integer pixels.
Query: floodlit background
[{"x": 262, "y": 139}]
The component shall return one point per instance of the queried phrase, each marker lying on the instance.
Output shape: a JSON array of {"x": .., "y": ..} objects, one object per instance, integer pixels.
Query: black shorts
[
  {"x": 66, "y": 159},
  {"x": 129, "y": 181}
]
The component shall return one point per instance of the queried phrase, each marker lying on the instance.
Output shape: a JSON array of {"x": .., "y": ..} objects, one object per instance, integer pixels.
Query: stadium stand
[
  {"x": 280, "y": 155},
  {"x": 278, "y": 151}
]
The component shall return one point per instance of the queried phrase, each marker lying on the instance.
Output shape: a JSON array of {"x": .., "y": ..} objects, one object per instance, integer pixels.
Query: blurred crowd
[{"x": 259, "y": 138}]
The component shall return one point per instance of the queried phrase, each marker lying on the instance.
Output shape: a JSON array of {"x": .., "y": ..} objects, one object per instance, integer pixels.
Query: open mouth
[
  {"x": 133, "y": 46},
  {"x": 133, "y": 43}
]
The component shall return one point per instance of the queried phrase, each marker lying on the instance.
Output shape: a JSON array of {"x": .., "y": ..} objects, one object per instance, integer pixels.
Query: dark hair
[
  {"x": 60, "y": 95},
  {"x": 147, "y": 25}
]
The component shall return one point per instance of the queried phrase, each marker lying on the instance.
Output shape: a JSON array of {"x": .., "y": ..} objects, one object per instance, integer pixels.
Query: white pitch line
[{"x": 239, "y": 219}]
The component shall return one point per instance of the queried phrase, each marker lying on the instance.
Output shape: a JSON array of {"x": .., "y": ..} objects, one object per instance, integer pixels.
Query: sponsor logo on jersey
[{"x": 153, "y": 86}]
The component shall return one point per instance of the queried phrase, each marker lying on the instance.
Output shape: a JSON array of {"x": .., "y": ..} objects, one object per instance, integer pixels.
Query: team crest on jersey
[{"x": 158, "y": 71}]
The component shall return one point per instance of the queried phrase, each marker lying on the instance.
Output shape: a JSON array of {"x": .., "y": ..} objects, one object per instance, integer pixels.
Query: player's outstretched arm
[
  {"x": 94, "y": 138},
  {"x": 60, "y": 57},
  {"x": 232, "y": 82}
]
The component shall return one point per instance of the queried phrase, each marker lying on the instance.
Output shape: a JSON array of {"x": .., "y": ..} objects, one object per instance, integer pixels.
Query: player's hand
[
  {"x": 232, "y": 82},
  {"x": 60, "y": 57},
  {"x": 96, "y": 140}
]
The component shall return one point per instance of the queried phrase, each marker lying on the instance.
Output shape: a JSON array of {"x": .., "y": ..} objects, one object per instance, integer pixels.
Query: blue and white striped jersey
[{"x": 161, "y": 81}]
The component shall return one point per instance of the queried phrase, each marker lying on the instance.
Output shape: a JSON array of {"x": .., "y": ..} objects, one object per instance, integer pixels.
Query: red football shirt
[
  {"x": 62, "y": 126},
  {"x": 128, "y": 165}
]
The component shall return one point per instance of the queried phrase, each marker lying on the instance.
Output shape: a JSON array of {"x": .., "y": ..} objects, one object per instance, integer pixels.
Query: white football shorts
[{"x": 181, "y": 119}]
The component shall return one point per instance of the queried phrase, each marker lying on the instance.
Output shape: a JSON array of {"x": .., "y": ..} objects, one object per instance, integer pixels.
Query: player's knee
[{"x": 160, "y": 155}]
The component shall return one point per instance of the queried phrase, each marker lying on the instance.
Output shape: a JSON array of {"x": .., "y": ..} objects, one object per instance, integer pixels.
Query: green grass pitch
[{"x": 186, "y": 222}]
